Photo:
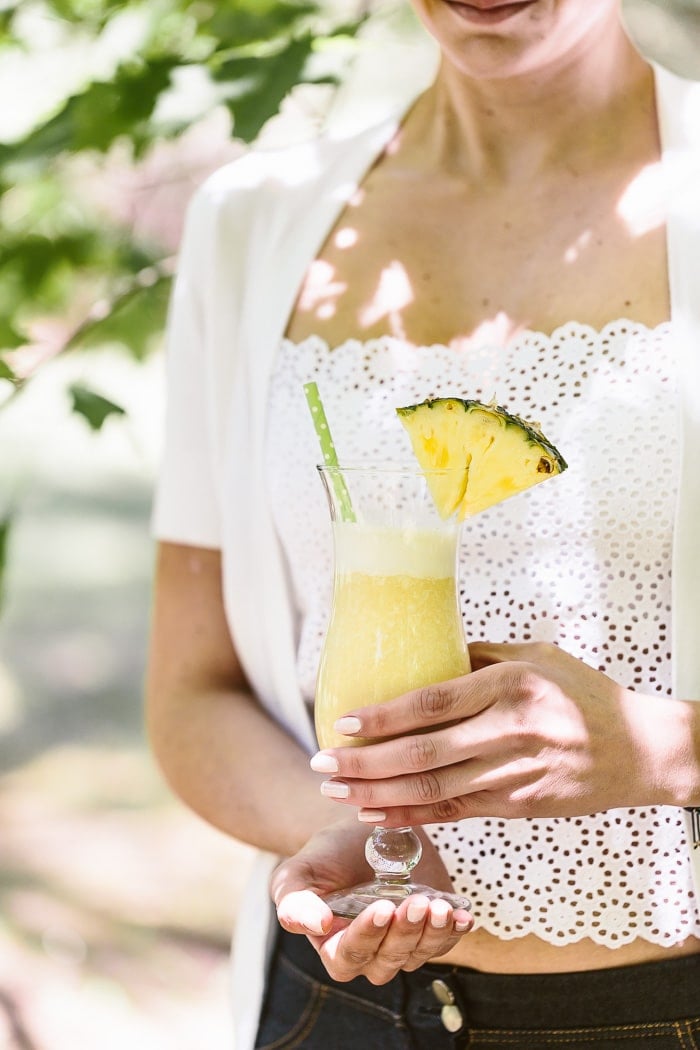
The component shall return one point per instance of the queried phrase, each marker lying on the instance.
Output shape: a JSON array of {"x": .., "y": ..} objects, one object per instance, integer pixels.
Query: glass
[{"x": 394, "y": 626}]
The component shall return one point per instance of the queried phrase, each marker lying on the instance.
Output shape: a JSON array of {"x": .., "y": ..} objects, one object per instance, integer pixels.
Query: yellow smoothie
[{"x": 395, "y": 623}]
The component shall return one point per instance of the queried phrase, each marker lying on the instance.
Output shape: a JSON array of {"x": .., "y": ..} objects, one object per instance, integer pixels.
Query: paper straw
[{"x": 330, "y": 458}]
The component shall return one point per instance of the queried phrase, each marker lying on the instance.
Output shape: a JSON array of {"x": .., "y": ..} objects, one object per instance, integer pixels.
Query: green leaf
[
  {"x": 94, "y": 408},
  {"x": 135, "y": 321},
  {"x": 244, "y": 22},
  {"x": 260, "y": 84},
  {"x": 97, "y": 116},
  {"x": 121, "y": 107},
  {"x": 83, "y": 12},
  {"x": 6, "y": 372},
  {"x": 34, "y": 258},
  {"x": 4, "y": 537},
  {"x": 10, "y": 339},
  {"x": 60, "y": 247}
]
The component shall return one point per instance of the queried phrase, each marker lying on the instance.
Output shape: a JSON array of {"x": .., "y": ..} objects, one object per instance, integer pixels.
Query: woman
[{"x": 509, "y": 230}]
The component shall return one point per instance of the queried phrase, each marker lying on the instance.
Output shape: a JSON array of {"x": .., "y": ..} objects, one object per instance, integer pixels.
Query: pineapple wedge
[{"x": 500, "y": 453}]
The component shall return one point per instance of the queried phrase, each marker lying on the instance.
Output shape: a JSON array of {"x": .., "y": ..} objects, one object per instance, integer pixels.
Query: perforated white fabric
[{"x": 584, "y": 562}]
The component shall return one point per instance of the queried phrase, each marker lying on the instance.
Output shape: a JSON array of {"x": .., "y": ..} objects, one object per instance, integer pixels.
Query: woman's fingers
[
  {"x": 442, "y": 703},
  {"x": 449, "y": 811},
  {"x": 300, "y": 909},
  {"x": 542, "y": 735},
  {"x": 415, "y": 753},
  {"x": 303, "y": 911},
  {"x": 385, "y": 939},
  {"x": 484, "y": 654},
  {"x": 499, "y": 774},
  {"x": 482, "y": 754}
]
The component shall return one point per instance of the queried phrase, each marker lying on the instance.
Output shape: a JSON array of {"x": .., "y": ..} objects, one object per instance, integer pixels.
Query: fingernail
[
  {"x": 439, "y": 914},
  {"x": 382, "y": 914},
  {"x": 348, "y": 725},
  {"x": 416, "y": 911},
  {"x": 461, "y": 925},
  {"x": 371, "y": 816},
  {"x": 324, "y": 763},
  {"x": 334, "y": 789},
  {"x": 314, "y": 926}
]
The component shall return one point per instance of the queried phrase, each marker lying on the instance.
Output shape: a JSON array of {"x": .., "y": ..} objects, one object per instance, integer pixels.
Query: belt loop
[{"x": 695, "y": 824}]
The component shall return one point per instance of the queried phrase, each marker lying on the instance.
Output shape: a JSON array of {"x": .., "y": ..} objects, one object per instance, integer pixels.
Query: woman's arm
[
  {"x": 242, "y": 773},
  {"x": 531, "y": 732},
  {"x": 218, "y": 749}
]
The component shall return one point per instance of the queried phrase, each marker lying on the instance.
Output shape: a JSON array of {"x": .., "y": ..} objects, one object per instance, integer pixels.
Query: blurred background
[{"x": 117, "y": 905}]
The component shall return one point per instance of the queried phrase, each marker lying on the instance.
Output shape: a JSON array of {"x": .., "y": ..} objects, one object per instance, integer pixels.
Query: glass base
[{"x": 348, "y": 904}]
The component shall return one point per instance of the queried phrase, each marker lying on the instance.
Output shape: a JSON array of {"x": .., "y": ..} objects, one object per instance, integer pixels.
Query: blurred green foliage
[
  {"x": 4, "y": 533},
  {"x": 70, "y": 265},
  {"x": 55, "y": 253}
]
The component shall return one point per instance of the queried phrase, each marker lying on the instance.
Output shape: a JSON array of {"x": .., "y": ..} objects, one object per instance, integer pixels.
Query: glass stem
[{"x": 393, "y": 853}]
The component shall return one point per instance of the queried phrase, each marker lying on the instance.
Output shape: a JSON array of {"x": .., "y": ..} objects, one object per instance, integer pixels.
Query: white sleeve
[{"x": 186, "y": 506}]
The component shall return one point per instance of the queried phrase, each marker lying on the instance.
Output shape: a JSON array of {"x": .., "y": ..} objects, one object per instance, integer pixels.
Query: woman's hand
[
  {"x": 383, "y": 939},
  {"x": 531, "y": 732}
]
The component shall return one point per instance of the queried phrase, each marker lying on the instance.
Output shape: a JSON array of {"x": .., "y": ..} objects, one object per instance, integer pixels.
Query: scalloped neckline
[{"x": 571, "y": 329}]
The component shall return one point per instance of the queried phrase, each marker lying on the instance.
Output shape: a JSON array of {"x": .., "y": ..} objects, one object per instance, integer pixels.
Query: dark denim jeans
[{"x": 657, "y": 1004}]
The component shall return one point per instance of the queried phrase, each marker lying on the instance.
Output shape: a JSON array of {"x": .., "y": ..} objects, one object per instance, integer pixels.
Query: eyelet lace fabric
[{"x": 584, "y": 561}]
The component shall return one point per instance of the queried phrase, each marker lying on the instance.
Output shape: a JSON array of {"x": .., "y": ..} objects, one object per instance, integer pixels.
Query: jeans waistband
[{"x": 665, "y": 990}]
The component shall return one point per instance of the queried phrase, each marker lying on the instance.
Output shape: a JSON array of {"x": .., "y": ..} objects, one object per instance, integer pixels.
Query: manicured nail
[
  {"x": 324, "y": 763},
  {"x": 314, "y": 926},
  {"x": 439, "y": 914},
  {"x": 382, "y": 914},
  {"x": 348, "y": 726},
  {"x": 371, "y": 816},
  {"x": 462, "y": 925},
  {"x": 416, "y": 910},
  {"x": 335, "y": 789}
]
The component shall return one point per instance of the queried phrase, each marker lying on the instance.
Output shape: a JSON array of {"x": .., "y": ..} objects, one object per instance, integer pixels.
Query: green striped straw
[{"x": 330, "y": 458}]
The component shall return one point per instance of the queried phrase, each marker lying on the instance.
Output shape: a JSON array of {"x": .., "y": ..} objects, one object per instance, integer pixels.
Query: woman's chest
[
  {"x": 571, "y": 562},
  {"x": 440, "y": 263}
]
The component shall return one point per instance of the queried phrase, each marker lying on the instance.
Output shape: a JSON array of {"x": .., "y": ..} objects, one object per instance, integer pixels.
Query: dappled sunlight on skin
[
  {"x": 321, "y": 291},
  {"x": 394, "y": 293},
  {"x": 375, "y": 280},
  {"x": 346, "y": 238},
  {"x": 574, "y": 250},
  {"x": 642, "y": 207},
  {"x": 495, "y": 330}
]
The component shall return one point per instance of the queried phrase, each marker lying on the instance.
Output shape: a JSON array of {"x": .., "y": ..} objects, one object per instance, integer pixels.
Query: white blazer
[{"x": 250, "y": 234}]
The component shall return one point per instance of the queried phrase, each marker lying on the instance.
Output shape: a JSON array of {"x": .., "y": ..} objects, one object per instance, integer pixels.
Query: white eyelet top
[{"x": 583, "y": 561}]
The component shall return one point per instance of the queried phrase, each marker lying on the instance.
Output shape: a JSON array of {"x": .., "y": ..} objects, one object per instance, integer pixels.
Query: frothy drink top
[{"x": 374, "y": 551}]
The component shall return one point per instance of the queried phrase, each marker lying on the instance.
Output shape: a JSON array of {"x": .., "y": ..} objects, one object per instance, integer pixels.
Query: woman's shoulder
[{"x": 263, "y": 174}]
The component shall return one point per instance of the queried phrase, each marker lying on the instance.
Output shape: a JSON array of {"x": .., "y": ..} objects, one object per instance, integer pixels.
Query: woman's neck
[{"x": 509, "y": 129}]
